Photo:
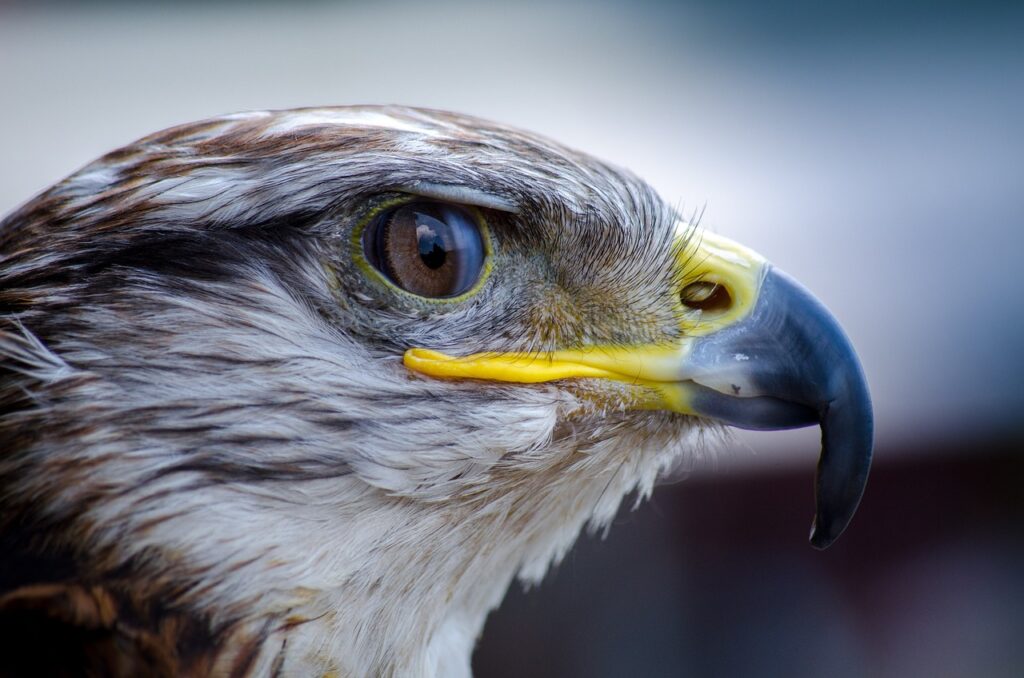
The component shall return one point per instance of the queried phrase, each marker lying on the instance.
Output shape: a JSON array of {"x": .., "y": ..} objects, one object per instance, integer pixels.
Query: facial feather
[{"x": 201, "y": 389}]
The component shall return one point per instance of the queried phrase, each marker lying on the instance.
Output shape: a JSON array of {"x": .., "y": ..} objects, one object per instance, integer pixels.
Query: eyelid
[
  {"x": 459, "y": 193},
  {"x": 359, "y": 257}
]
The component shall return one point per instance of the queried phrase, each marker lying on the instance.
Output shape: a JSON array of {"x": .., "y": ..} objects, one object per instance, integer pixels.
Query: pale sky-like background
[{"x": 876, "y": 154}]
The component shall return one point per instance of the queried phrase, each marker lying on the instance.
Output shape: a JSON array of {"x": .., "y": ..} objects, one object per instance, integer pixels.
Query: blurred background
[{"x": 874, "y": 150}]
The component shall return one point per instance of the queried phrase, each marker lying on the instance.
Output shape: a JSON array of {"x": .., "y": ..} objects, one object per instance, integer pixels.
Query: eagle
[{"x": 301, "y": 392}]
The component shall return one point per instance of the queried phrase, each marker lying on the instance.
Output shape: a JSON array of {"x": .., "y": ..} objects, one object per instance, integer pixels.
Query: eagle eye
[{"x": 427, "y": 248}]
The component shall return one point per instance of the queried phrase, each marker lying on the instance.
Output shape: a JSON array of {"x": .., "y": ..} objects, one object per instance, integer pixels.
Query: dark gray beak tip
[
  {"x": 827, "y": 528},
  {"x": 835, "y": 507},
  {"x": 834, "y": 512},
  {"x": 819, "y": 539},
  {"x": 827, "y": 377},
  {"x": 847, "y": 447},
  {"x": 822, "y": 538}
]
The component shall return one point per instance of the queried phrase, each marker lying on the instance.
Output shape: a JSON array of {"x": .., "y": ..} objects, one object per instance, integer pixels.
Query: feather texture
[{"x": 214, "y": 460}]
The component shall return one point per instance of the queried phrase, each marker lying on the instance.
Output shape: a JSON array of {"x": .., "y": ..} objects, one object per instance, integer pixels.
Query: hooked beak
[{"x": 758, "y": 351}]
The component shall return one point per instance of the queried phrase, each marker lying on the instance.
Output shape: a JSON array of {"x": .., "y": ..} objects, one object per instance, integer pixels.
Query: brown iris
[{"x": 431, "y": 249}]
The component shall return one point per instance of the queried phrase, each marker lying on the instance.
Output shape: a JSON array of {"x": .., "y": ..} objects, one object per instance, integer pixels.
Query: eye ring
[{"x": 433, "y": 250}]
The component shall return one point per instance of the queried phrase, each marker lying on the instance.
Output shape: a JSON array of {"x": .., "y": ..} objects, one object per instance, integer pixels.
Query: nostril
[{"x": 706, "y": 296}]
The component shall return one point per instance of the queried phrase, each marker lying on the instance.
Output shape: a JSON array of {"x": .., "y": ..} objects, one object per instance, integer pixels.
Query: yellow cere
[
  {"x": 661, "y": 368},
  {"x": 716, "y": 259}
]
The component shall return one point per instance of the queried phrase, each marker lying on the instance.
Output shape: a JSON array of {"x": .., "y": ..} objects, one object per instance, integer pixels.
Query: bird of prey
[{"x": 302, "y": 392}]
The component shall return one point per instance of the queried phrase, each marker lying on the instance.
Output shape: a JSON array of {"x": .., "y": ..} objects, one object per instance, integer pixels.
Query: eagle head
[{"x": 303, "y": 391}]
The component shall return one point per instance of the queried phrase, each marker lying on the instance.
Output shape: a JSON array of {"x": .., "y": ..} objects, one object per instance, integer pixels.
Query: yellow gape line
[
  {"x": 524, "y": 368},
  {"x": 520, "y": 368}
]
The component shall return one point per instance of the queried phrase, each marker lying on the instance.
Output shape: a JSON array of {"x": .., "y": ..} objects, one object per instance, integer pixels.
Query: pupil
[{"x": 431, "y": 247}]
